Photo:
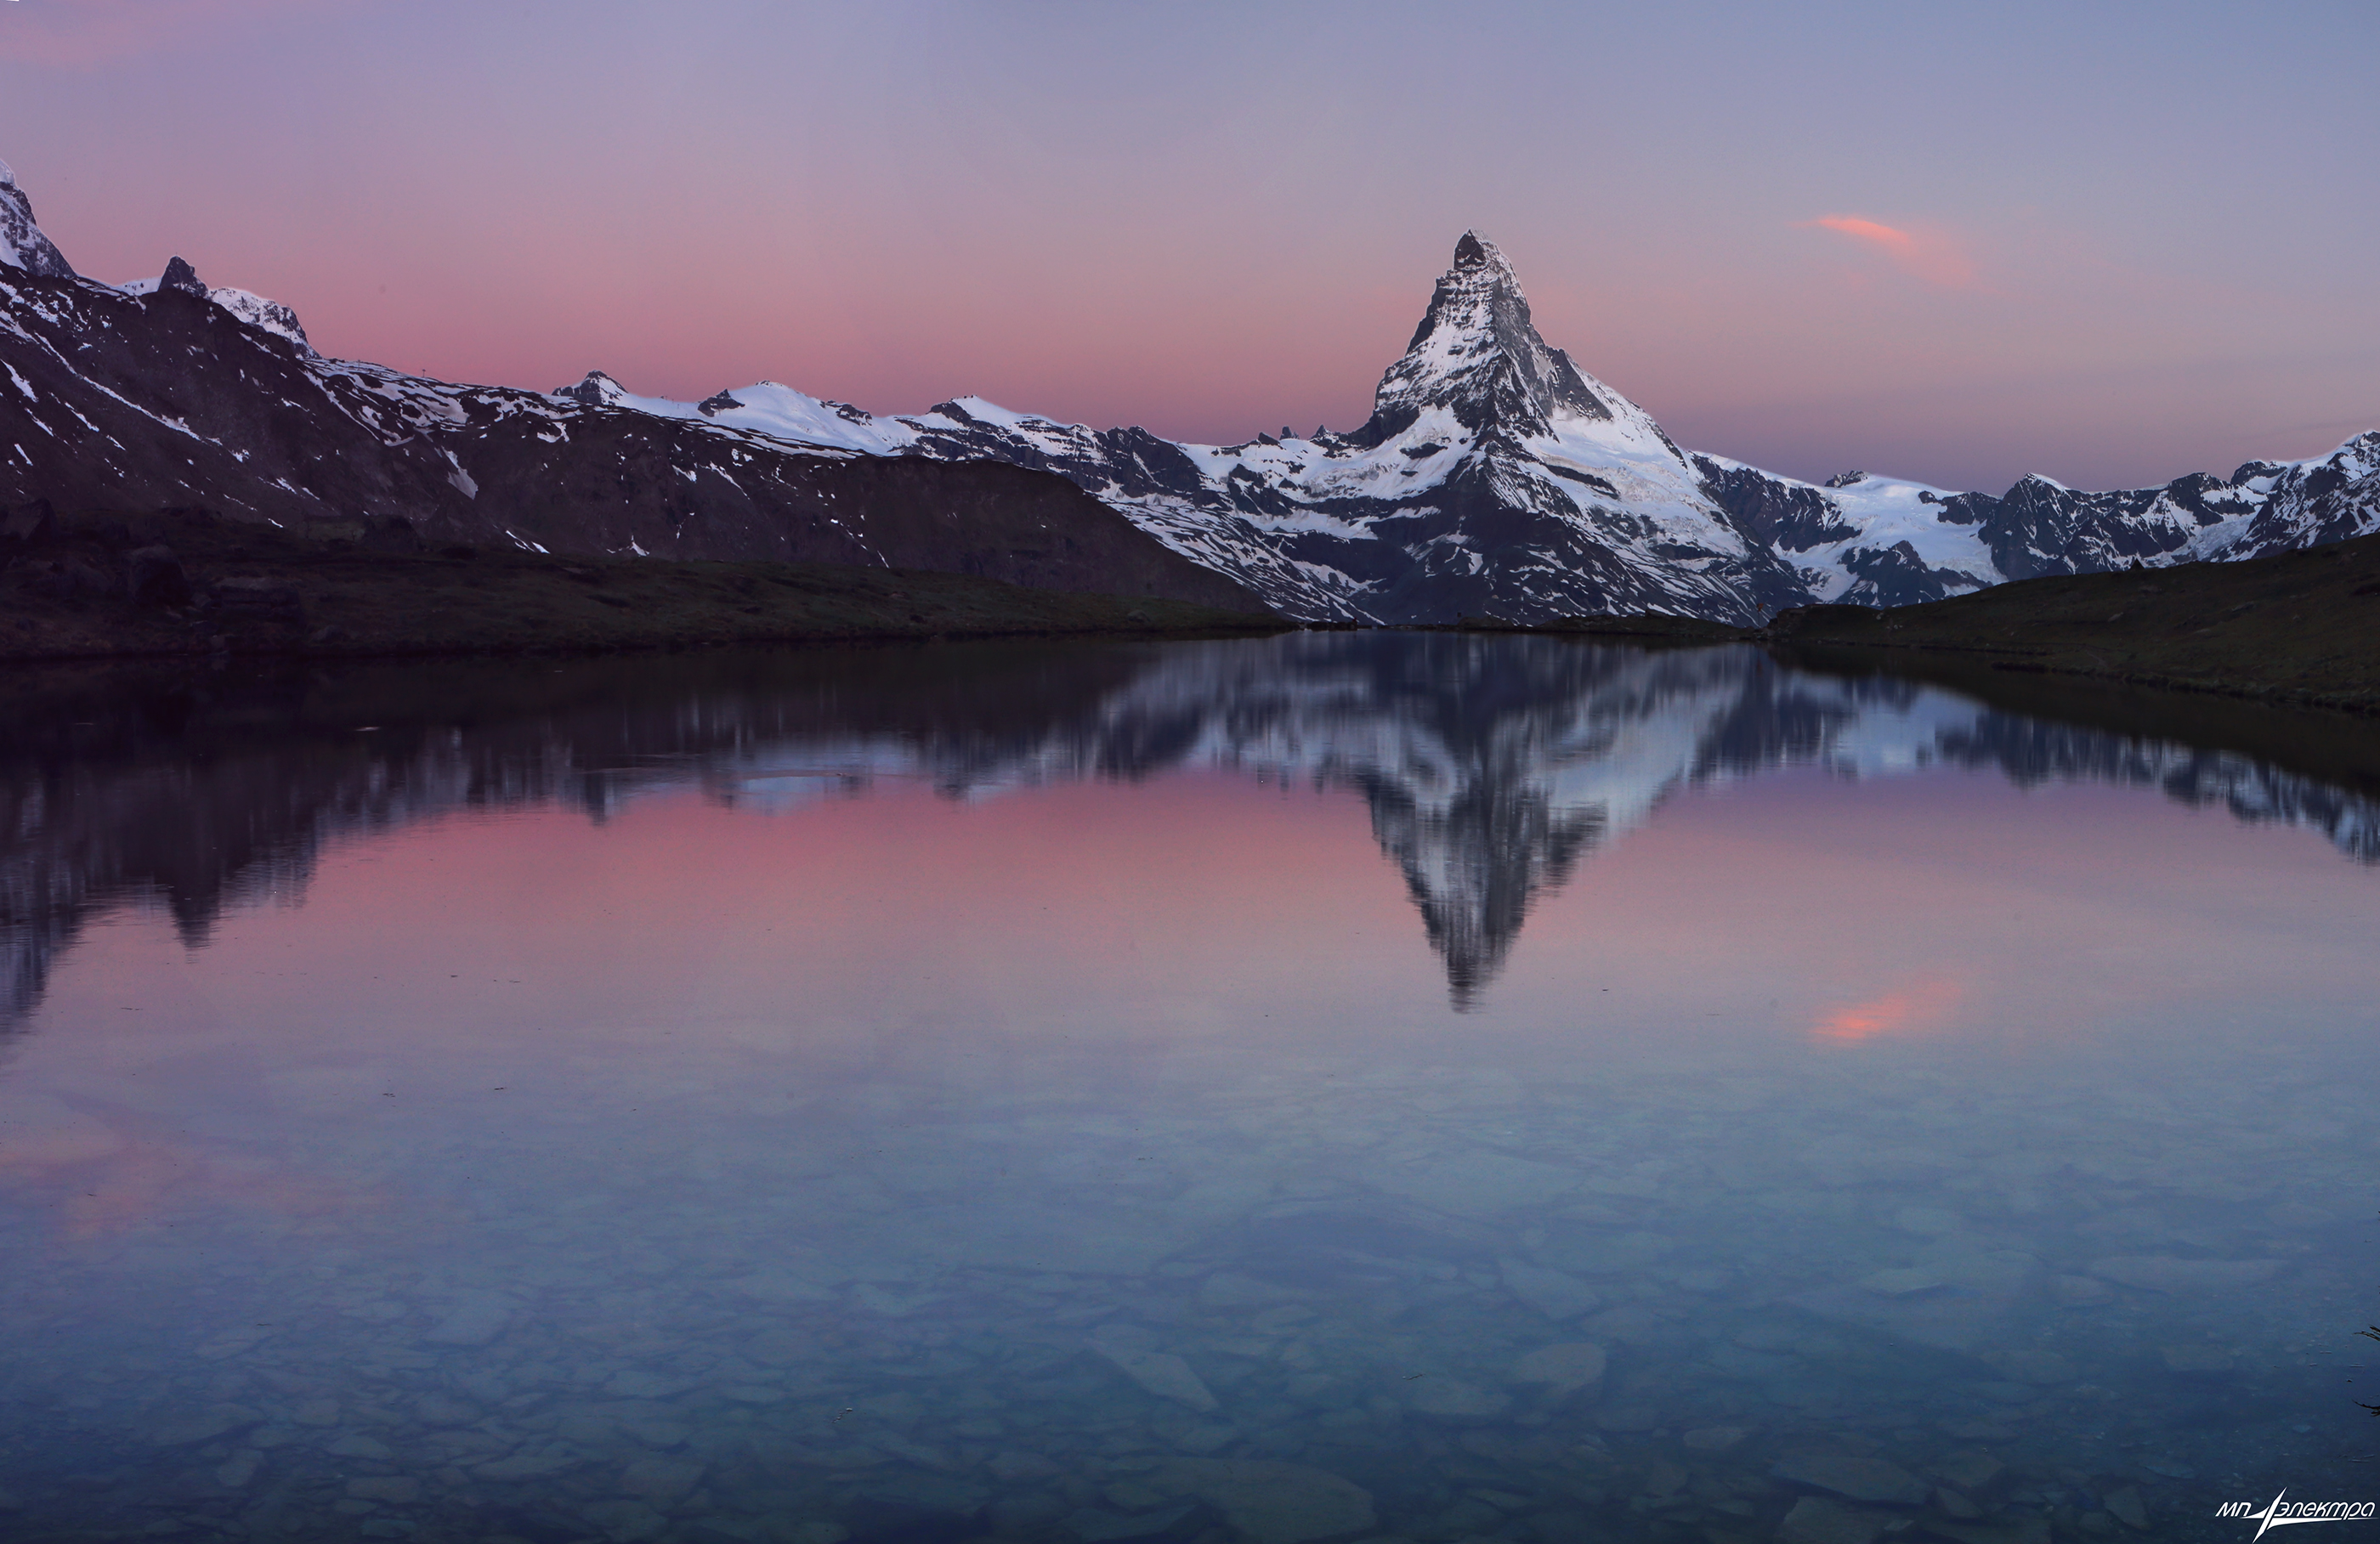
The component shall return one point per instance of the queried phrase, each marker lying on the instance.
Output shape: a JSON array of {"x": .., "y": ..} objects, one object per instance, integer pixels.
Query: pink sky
[{"x": 1953, "y": 246}]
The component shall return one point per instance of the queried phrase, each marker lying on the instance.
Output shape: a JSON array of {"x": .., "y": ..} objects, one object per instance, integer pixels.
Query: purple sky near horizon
[{"x": 2113, "y": 244}]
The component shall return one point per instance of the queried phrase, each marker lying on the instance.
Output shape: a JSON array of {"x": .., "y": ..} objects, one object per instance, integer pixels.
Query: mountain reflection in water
[
  {"x": 1491, "y": 766},
  {"x": 1048, "y": 1130}
]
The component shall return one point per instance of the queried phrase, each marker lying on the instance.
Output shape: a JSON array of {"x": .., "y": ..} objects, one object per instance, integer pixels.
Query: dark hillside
[
  {"x": 185, "y": 582},
  {"x": 2298, "y": 626},
  {"x": 169, "y": 400}
]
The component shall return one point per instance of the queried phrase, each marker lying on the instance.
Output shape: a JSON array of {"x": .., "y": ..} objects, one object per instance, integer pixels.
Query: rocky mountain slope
[
  {"x": 22, "y": 245},
  {"x": 131, "y": 583},
  {"x": 1492, "y": 478},
  {"x": 1883, "y": 541}
]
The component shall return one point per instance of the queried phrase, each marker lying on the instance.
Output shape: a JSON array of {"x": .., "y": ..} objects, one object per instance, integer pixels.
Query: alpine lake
[{"x": 1341, "y": 1086}]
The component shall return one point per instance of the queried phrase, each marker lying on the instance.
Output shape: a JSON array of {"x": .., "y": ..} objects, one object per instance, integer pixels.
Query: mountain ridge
[
  {"x": 172, "y": 398},
  {"x": 1493, "y": 476}
]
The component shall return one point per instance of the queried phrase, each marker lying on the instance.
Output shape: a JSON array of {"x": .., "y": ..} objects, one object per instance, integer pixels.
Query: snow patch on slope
[
  {"x": 1893, "y": 519},
  {"x": 270, "y": 316}
]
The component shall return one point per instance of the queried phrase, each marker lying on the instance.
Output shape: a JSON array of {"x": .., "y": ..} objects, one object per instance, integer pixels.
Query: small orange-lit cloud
[
  {"x": 1909, "y": 1011},
  {"x": 1931, "y": 255}
]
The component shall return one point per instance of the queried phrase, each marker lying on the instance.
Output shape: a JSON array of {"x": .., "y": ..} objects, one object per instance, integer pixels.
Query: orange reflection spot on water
[
  {"x": 150, "y": 1182},
  {"x": 98, "y": 1176},
  {"x": 1911, "y": 1010}
]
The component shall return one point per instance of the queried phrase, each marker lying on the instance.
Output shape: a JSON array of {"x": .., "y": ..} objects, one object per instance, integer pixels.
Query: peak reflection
[{"x": 1491, "y": 766}]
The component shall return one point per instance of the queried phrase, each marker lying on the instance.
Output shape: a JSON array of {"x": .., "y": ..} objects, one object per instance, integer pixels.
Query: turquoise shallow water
[{"x": 1335, "y": 1087}]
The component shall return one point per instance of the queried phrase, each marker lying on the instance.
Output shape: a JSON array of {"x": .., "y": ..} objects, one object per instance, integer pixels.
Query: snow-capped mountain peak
[
  {"x": 257, "y": 311},
  {"x": 1477, "y": 354},
  {"x": 22, "y": 245},
  {"x": 270, "y": 316},
  {"x": 180, "y": 275},
  {"x": 599, "y": 390},
  {"x": 1493, "y": 477}
]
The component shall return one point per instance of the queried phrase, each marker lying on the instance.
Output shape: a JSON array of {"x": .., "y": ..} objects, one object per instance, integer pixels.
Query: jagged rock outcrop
[
  {"x": 180, "y": 275},
  {"x": 22, "y": 245},
  {"x": 1477, "y": 352}
]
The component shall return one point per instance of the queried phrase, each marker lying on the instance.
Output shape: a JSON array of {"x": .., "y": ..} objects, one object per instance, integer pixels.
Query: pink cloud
[{"x": 1931, "y": 255}]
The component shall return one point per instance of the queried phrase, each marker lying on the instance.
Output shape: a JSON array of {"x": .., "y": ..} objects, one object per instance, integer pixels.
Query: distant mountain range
[
  {"x": 169, "y": 395},
  {"x": 1493, "y": 477}
]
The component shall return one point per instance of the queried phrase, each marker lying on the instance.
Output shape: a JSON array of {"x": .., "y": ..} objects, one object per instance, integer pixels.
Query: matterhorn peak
[
  {"x": 1477, "y": 354},
  {"x": 22, "y": 245},
  {"x": 1472, "y": 251}
]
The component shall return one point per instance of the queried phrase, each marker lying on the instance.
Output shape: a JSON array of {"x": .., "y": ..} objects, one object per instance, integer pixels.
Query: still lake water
[{"x": 1333, "y": 1086}]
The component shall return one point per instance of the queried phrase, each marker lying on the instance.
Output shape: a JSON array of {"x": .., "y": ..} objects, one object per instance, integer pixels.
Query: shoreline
[
  {"x": 165, "y": 586},
  {"x": 2301, "y": 629}
]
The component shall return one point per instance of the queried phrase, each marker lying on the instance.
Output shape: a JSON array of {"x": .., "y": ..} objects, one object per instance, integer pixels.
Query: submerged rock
[
  {"x": 2126, "y": 1506},
  {"x": 2079, "y": 1292},
  {"x": 2165, "y": 1273},
  {"x": 1715, "y": 1439},
  {"x": 1452, "y": 1401},
  {"x": 1160, "y": 1372},
  {"x": 1093, "y": 1525},
  {"x": 1562, "y": 1369},
  {"x": 1274, "y": 1502},
  {"x": 660, "y": 1480},
  {"x": 1816, "y": 1520},
  {"x": 1551, "y": 1292},
  {"x": 204, "y": 1424},
  {"x": 476, "y": 1319},
  {"x": 1861, "y": 1479}
]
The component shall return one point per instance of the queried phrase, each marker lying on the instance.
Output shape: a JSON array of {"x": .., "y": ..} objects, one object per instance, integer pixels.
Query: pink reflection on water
[
  {"x": 1913, "y": 1010},
  {"x": 101, "y": 1170}
]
